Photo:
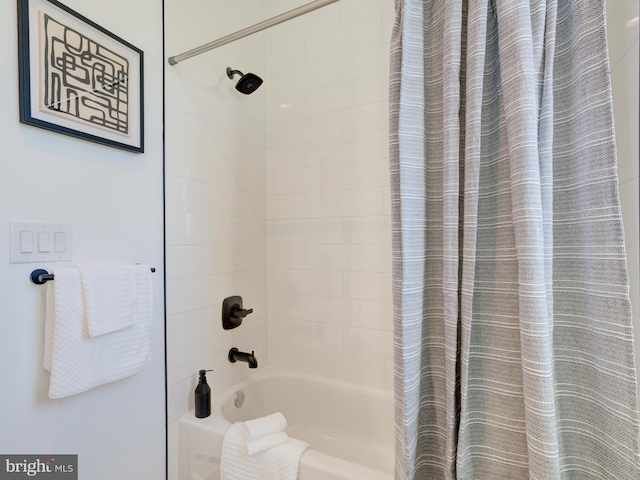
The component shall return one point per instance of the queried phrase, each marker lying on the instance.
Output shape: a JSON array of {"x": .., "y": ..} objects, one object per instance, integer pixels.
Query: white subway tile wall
[
  {"x": 328, "y": 221},
  {"x": 280, "y": 196},
  {"x": 215, "y": 200}
]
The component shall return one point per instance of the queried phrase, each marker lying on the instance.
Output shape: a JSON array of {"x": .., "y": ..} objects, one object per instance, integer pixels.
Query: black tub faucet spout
[{"x": 235, "y": 355}]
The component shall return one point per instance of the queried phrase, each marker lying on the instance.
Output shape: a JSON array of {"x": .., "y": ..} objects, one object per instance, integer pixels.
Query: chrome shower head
[{"x": 248, "y": 82}]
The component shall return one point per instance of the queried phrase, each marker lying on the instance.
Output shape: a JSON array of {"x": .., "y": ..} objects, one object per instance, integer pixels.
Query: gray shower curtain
[{"x": 512, "y": 321}]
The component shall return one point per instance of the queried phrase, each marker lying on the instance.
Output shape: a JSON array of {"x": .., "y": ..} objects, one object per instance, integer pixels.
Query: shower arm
[{"x": 258, "y": 27}]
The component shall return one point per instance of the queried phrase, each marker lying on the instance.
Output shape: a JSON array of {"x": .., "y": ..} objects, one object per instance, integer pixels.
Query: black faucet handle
[
  {"x": 233, "y": 312},
  {"x": 239, "y": 312}
]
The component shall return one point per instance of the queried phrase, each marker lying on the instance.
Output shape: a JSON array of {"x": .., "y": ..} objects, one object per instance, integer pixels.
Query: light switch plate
[{"x": 51, "y": 237}]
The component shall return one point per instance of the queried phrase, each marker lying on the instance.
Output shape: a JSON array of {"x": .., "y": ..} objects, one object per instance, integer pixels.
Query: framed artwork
[{"x": 77, "y": 78}]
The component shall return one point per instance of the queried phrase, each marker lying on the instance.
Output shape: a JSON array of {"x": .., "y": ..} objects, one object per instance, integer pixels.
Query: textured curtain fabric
[{"x": 512, "y": 321}]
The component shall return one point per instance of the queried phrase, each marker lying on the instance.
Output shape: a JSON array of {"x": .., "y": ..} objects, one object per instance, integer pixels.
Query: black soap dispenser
[{"x": 203, "y": 396}]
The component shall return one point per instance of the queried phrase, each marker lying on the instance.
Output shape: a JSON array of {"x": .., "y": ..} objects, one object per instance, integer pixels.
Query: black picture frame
[{"x": 77, "y": 78}]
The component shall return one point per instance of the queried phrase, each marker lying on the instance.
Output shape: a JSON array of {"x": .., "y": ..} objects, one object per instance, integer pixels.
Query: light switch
[
  {"x": 26, "y": 241},
  {"x": 44, "y": 242},
  {"x": 59, "y": 242},
  {"x": 40, "y": 242}
]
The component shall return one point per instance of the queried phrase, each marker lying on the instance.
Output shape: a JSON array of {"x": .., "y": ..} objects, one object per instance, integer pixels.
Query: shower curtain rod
[{"x": 258, "y": 27}]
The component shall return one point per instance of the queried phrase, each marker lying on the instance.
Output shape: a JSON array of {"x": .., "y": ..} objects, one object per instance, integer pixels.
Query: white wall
[
  {"x": 215, "y": 203},
  {"x": 622, "y": 24},
  {"x": 328, "y": 211},
  {"x": 113, "y": 199}
]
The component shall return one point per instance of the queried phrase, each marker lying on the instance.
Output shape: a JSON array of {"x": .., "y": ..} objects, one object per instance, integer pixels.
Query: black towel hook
[{"x": 40, "y": 276}]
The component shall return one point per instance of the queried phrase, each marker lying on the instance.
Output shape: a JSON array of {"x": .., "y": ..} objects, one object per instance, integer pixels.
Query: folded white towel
[
  {"x": 261, "y": 427},
  {"x": 49, "y": 322},
  {"x": 64, "y": 303},
  {"x": 270, "y": 455},
  {"x": 283, "y": 461},
  {"x": 235, "y": 461},
  {"x": 109, "y": 295},
  {"x": 79, "y": 362},
  {"x": 265, "y": 443}
]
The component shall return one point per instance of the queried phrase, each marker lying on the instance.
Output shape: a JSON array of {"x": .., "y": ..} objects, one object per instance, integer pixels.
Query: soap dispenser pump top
[{"x": 203, "y": 396}]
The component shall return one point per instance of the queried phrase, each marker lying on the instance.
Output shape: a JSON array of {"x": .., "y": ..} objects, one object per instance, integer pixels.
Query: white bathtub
[{"x": 349, "y": 427}]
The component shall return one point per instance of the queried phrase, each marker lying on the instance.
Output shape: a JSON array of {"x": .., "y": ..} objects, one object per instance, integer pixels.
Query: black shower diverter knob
[
  {"x": 238, "y": 312},
  {"x": 233, "y": 312}
]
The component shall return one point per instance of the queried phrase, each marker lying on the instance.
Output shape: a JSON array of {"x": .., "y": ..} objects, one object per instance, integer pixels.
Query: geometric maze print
[{"x": 82, "y": 79}]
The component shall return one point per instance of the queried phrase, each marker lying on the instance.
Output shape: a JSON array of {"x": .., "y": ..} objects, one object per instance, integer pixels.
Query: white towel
[
  {"x": 282, "y": 462},
  {"x": 109, "y": 295},
  {"x": 78, "y": 362},
  {"x": 279, "y": 460},
  {"x": 235, "y": 461},
  {"x": 265, "y": 443},
  {"x": 49, "y": 322},
  {"x": 263, "y": 426}
]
